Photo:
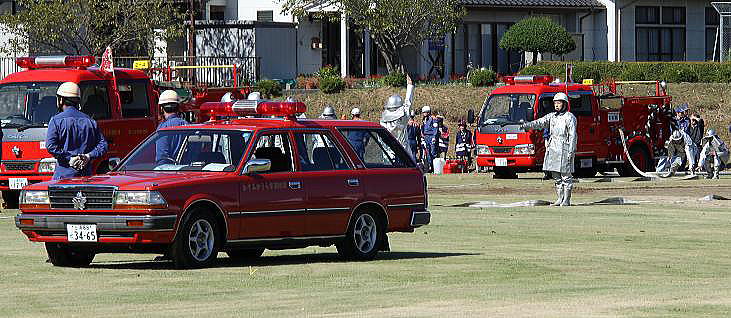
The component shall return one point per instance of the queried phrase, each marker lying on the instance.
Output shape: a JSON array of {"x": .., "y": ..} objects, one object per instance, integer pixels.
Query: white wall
[{"x": 247, "y": 10}]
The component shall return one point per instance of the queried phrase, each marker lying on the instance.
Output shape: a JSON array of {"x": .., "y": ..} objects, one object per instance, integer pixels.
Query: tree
[
  {"x": 538, "y": 35},
  {"x": 392, "y": 24},
  {"x": 77, "y": 27}
]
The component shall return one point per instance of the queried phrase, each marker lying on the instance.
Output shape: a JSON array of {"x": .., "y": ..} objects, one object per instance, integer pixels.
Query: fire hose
[{"x": 632, "y": 163}]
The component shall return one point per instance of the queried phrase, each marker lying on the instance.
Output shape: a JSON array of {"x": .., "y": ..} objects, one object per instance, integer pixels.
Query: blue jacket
[
  {"x": 359, "y": 140},
  {"x": 72, "y": 133},
  {"x": 430, "y": 127},
  {"x": 166, "y": 147}
]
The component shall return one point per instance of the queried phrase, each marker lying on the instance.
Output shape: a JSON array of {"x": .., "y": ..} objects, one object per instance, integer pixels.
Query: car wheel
[
  {"x": 196, "y": 244},
  {"x": 11, "y": 198},
  {"x": 66, "y": 256},
  {"x": 245, "y": 254},
  {"x": 364, "y": 238}
]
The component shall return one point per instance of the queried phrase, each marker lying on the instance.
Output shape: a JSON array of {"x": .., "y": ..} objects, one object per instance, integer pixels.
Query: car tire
[
  {"x": 365, "y": 236},
  {"x": 197, "y": 242},
  {"x": 11, "y": 199},
  {"x": 66, "y": 256},
  {"x": 246, "y": 254}
]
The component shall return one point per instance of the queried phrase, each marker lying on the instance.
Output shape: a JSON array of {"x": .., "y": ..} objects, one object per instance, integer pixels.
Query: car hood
[{"x": 139, "y": 180}]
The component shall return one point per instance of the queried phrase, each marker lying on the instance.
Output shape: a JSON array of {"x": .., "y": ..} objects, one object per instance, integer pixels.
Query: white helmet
[
  {"x": 227, "y": 98},
  {"x": 328, "y": 112},
  {"x": 355, "y": 111},
  {"x": 69, "y": 90},
  {"x": 677, "y": 135},
  {"x": 561, "y": 97},
  {"x": 254, "y": 96},
  {"x": 168, "y": 97},
  {"x": 394, "y": 102},
  {"x": 426, "y": 109}
]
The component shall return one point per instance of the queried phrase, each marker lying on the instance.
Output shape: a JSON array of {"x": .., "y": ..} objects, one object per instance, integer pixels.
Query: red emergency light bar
[
  {"x": 528, "y": 79},
  {"x": 252, "y": 108},
  {"x": 55, "y": 61}
]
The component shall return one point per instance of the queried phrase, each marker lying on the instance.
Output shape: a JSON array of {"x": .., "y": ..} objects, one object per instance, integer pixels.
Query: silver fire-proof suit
[
  {"x": 681, "y": 149},
  {"x": 714, "y": 156},
  {"x": 560, "y": 150},
  {"x": 395, "y": 116}
]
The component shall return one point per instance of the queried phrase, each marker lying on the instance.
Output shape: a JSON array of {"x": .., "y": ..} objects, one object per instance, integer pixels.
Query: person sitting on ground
[{"x": 714, "y": 156}]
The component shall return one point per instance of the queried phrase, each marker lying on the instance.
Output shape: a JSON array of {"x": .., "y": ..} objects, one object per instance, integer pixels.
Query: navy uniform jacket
[
  {"x": 430, "y": 127},
  {"x": 167, "y": 146},
  {"x": 72, "y": 133},
  {"x": 359, "y": 140}
]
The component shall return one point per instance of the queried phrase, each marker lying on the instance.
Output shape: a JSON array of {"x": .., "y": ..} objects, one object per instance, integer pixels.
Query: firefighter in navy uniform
[
  {"x": 166, "y": 147},
  {"x": 464, "y": 144},
  {"x": 73, "y": 138},
  {"x": 560, "y": 147},
  {"x": 429, "y": 130}
]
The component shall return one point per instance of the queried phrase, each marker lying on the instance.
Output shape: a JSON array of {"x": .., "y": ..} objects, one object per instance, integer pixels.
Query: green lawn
[{"x": 665, "y": 257}]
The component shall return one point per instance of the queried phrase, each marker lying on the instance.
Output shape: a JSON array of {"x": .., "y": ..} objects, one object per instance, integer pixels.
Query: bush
[
  {"x": 332, "y": 85},
  {"x": 482, "y": 78},
  {"x": 679, "y": 73},
  {"x": 328, "y": 71},
  {"x": 395, "y": 79},
  {"x": 269, "y": 88},
  {"x": 673, "y": 72},
  {"x": 307, "y": 82}
]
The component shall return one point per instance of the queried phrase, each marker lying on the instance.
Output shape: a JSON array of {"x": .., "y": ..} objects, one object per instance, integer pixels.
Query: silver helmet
[
  {"x": 290, "y": 99},
  {"x": 676, "y": 136},
  {"x": 711, "y": 133},
  {"x": 328, "y": 112},
  {"x": 394, "y": 102}
]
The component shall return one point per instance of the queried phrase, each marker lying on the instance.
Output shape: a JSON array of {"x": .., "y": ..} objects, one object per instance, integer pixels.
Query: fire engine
[
  {"x": 238, "y": 185},
  {"x": 601, "y": 113},
  {"x": 126, "y": 115}
]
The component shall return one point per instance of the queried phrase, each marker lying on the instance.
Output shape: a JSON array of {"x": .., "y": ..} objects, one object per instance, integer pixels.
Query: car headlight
[
  {"x": 139, "y": 200},
  {"x": 527, "y": 149},
  {"x": 47, "y": 165},
  {"x": 483, "y": 150},
  {"x": 34, "y": 197}
]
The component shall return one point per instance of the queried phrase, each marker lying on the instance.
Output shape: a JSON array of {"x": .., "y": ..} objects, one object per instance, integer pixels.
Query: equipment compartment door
[{"x": 587, "y": 124}]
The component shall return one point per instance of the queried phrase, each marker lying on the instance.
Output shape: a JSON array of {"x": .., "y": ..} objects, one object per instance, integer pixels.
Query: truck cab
[{"x": 126, "y": 115}]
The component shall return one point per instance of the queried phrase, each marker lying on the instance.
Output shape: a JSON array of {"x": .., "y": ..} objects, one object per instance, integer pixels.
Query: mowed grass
[{"x": 667, "y": 257}]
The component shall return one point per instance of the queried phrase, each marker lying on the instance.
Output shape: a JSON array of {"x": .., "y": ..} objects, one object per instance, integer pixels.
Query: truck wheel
[
  {"x": 196, "y": 244},
  {"x": 504, "y": 173},
  {"x": 642, "y": 160},
  {"x": 11, "y": 198},
  {"x": 246, "y": 254},
  {"x": 67, "y": 256},
  {"x": 366, "y": 234}
]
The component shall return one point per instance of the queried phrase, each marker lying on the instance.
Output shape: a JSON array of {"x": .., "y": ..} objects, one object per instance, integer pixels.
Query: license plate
[
  {"x": 81, "y": 232},
  {"x": 17, "y": 183},
  {"x": 511, "y": 136},
  {"x": 501, "y": 162}
]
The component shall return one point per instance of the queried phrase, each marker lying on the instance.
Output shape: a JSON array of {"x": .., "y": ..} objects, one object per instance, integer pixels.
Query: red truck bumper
[{"x": 512, "y": 161}]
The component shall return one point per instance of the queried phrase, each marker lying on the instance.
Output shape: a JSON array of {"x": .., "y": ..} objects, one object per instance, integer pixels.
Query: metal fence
[
  {"x": 203, "y": 70},
  {"x": 723, "y": 34}
]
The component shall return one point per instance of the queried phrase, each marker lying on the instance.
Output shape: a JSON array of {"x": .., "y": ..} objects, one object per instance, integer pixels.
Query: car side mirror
[
  {"x": 257, "y": 165},
  {"x": 114, "y": 163},
  {"x": 471, "y": 116}
]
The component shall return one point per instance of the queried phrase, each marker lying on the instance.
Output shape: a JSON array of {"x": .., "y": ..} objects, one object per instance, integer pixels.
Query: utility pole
[{"x": 191, "y": 40}]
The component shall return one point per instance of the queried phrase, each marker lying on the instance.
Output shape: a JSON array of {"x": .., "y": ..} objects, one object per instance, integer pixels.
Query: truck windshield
[
  {"x": 500, "y": 109},
  {"x": 189, "y": 150},
  {"x": 23, "y": 104}
]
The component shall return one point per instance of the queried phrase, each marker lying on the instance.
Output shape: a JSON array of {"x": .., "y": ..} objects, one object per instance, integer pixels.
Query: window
[
  {"x": 580, "y": 104},
  {"x": 95, "y": 100},
  {"x": 655, "y": 43},
  {"x": 276, "y": 148},
  {"x": 712, "y": 25},
  {"x": 647, "y": 15},
  {"x": 381, "y": 150},
  {"x": 265, "y": 16},
  {"x": 217, "y": 13},
  {"x": 507, "y": 108},
  {"x": 318, "y": 152},
  {"x": 135, "y": 102}
]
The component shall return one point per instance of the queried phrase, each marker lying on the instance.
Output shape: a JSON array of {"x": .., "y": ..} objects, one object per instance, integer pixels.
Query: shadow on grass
[{"x": 278, "y": 260}]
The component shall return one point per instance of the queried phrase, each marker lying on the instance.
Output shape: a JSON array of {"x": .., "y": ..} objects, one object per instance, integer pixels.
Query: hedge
[{"x": 672, "y": 72}]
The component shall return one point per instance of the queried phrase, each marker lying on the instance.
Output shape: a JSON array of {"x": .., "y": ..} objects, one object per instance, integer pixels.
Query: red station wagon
[{"x": 238, "y": 185}]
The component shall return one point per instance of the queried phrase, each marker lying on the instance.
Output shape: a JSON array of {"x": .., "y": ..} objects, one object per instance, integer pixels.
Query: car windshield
[
  {"x": 24, "y": 104},
  {"x": 189, "y": 150},
  {"x": 500, "y": 109}
]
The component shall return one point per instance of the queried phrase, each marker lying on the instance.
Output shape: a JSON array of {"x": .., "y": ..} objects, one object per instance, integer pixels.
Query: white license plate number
[
  {"x": 511, "y": 137},
  {"x": 501, "y": 162},
  {"x": 81, "y": 232},
  {"x": 17, "y": 183}
]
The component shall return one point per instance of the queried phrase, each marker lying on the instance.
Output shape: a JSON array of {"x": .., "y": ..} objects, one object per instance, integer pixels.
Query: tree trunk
[
  {"x": 535, "y": 58},
  {"x": 390, "y": 55}
]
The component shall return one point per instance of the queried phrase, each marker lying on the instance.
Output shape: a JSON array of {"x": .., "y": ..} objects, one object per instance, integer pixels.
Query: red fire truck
[
  {"x": 28, "y": 100},
  {"x": 600, "y": 112}
]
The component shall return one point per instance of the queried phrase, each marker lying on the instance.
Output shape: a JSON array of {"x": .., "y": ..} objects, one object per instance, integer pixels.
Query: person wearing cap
[
  {"x": 560, "y": 146},
  {"x": 681, "y": 150},
  {"x": 714, "y": 156},
  {"x": 167, "y": 146},
  {"x": 358, "y": 138},
  {"x": 463, "y": 144},
  {"x": 395, "y": 116},
  {"x": 430, "y": 134},
  {"x": 73, "y": 138},
  {"x": 355, "y": 113},
  {"x": 681, "y": 119}
]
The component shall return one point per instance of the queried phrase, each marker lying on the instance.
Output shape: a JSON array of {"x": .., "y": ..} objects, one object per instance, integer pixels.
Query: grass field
[{"x": 666, "y": 257}]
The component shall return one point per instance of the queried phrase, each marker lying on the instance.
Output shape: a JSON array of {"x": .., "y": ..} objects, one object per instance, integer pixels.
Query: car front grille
[
  {"x": 502, "y": 149},
  {"x": 94, "y": 198},
  {"x": 19, "y": 165}
]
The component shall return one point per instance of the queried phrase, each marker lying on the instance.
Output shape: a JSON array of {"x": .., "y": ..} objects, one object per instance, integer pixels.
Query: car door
[
  {"x": 332, "y": 186},
  {"x": 271, "y": 203},
  {"x": 587, "y": 124}
]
